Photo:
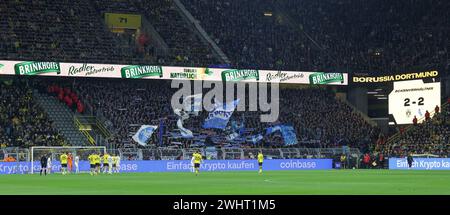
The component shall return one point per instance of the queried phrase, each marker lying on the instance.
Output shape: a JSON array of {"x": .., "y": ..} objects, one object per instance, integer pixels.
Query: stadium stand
[
  {"x": 391, "y": 38},
  {"x": 429, "y": 137},
  {"x": 23, "y": 122},
  {"x": 74, "y": 31},
  {"x": 186, "y": 46},
  {"x": 67, "y": 31},
  {"x": 381, "y": 39},
  {"x": 362, "y": 36},
  {"x": 320, "y": 120},
  {"x": 307, "y": 35},
  {"x": 130, "y": 104},
  {"x": 250, "y": 39}
]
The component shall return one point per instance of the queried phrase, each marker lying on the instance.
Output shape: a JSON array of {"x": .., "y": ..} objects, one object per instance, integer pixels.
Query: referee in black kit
[
  {"x": 410, "y": 160},
  {"x": 43, "y": 164}
]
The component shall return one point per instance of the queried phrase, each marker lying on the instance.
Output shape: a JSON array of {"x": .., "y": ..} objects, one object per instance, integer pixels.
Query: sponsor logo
[
  {"x": 284, "y": 76},
  {"x": 420, "y": 163},
  {"x": 240, "y": 74},
  {"x": 326, "y": 78},
  {"x": 408, "y": 113},
  {"x": 399, "y": 77},
  {"x": 89, "y": 69},
  {"x": 141, "y": 71},
  {"x": 192, "y": 73},
  {"x": 35, "y": 68}
]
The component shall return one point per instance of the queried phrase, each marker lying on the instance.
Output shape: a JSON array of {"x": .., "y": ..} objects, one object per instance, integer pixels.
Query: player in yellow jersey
[
  {"x": 197, "y": 160},
  {"x": 260, "y": 161},
  {"x": 92, "y": 163},
  {"x": 105, "y": 162},
  {"x": 63, "y": 158},
  {"x": 97, "y": 163}
]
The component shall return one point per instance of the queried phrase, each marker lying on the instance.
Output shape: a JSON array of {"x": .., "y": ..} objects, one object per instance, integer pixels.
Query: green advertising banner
[
  {"x": 36, "y": 67},
  {"x": 62, "y": 69},
  {"x": 141, "y": 71},
  {"x": 240, "y": 74},
  {"x": 325, "y": 78}
]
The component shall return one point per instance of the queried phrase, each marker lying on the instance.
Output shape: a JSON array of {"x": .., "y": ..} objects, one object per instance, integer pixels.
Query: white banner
[
  {"x": 168, "y": 72},
  {"x": 300, "y": 77}
]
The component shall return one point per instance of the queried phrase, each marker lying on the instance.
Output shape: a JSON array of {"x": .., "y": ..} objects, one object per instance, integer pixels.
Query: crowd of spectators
[
  {"x": 319, "y": 115},
  {"x": 428, "y": 137},
  {"x": 248, "y": 38},
  {"x": 127, "y": 103},
  {"x": 22, "y": 122},
  {"x": 383, "y": 35},
  {"x": 292, "y": 35},
  {"x": 324, "y": 35},
  {"x": 68, "y": 31},
  {"x": 75, "y": 31},
  {"x": 315, "y": 113},
  {"x": 329, "y": 35},
  {"x": 185, "y": 46}
]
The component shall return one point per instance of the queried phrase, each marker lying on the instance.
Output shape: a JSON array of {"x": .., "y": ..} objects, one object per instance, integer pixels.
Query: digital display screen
[{"x": 413, "y": 98}]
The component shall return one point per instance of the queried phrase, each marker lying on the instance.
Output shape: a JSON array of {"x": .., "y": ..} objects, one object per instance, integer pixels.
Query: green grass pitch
[{"x": 227, "y": 183}]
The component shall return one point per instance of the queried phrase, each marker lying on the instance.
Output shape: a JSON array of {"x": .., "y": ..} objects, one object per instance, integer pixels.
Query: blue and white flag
[
  {"x": 144, "y": 134},
  {"x": 182, "y": 115},
  {"x": 273, "y": 129},
  {"x": 287, "y": 131},
  {"x": 232, "y": 136},
  {"x": 186, "y": 133},
  {"x": 289, "y": 136},
  {"x": 219, "y": 117},
  {"x": 256, "y": 138},
  {"x": 193, "y": 103}
]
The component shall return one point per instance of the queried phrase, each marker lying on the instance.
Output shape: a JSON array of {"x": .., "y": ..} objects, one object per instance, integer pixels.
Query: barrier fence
[{"x": 181, "y": 165}]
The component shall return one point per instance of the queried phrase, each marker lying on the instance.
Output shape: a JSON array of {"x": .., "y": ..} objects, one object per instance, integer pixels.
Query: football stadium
[{"x": 224, "y": 97}]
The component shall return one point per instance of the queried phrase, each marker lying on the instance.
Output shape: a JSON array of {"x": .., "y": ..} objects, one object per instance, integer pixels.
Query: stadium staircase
[
  {"x": 94, "y": 130},
  {"x": 62, "y": 118},
  {"x": 202, "y": 33}
]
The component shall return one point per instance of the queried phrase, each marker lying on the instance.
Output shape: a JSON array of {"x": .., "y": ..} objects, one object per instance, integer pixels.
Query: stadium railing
[
  {"x": 23, "y": 154},
  {"x": 84, "y": 125},
  {"x": 289, "y": 153},
  {"x": 249, "y": 153},
  {"x": 171, "y": 154},
  {"x": 19, "y": 154},
  {"x": 187, "y": 153}
]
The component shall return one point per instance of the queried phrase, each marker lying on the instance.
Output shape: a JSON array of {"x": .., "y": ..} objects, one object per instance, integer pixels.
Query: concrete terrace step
[{"x": 62, "y": 116}]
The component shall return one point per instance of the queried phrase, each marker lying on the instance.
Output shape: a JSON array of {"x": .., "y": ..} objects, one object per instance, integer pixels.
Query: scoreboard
[{"x": 413, "y": 98}]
